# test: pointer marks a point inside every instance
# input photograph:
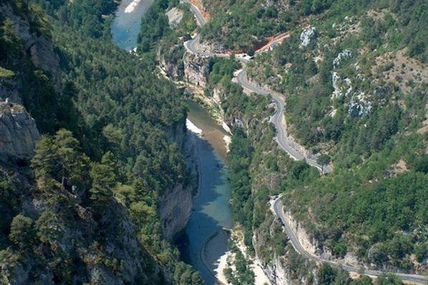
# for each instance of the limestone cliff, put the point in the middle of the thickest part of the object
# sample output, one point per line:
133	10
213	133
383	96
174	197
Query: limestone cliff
196	69
176	206
176	203
171	61
18	132
35	43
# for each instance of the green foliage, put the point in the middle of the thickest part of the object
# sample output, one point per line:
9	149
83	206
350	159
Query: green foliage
49	228
154	26
373	209
22	232
123	123
103	182
388	280
221	71
59	158
84	16
8	261
380	211
9	41
5	73
243	25
242	275
327	275
184	275
239	160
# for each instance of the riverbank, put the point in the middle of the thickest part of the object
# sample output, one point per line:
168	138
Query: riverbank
204	240
227	261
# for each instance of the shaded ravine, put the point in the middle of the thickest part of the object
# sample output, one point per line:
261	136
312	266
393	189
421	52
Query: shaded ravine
204	240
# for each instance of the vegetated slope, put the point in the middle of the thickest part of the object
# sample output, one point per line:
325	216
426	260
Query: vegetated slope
243	25
259	169
355	77
84	209
375	144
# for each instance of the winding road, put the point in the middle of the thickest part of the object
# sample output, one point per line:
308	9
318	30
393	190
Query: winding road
277	208
288	144
285	141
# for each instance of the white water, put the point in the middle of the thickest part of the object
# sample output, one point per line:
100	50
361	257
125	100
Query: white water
193	128
131	7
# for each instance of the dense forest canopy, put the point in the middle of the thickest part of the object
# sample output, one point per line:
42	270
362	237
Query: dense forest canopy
85	207
99	182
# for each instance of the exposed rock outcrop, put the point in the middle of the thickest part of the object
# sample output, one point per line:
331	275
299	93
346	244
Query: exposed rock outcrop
36	44
196	69
43	56
171	61
175	16
176	205
277	272
18	132
307	36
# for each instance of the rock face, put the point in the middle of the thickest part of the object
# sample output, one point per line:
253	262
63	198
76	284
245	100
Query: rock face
176	203
171	61
43	56
18	132
277	273
38	46
307	36
175	16
196	69
8	90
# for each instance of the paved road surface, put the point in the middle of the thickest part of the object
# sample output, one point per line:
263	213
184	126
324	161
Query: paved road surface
198	15
285	142
287	145
278	211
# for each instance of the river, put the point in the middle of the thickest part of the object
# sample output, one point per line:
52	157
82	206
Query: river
204	241
127	22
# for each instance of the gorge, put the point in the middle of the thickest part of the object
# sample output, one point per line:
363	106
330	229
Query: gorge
205	237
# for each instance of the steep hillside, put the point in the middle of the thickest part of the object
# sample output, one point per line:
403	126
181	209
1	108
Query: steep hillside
353	75
244	25
356	90
84	208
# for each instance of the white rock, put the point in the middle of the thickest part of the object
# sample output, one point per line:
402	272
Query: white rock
341	56
307	35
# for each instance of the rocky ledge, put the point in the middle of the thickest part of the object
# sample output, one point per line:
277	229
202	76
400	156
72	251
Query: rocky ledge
18	132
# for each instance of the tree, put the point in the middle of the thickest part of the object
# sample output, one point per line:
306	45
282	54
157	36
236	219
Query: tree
74	164
421	164
250	51
21	231
49	228
46	161
103	182
364	280
323	159
9	42
326	275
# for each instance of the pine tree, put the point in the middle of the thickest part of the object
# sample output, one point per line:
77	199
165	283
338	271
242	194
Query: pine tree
46	161
103	182
21	231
